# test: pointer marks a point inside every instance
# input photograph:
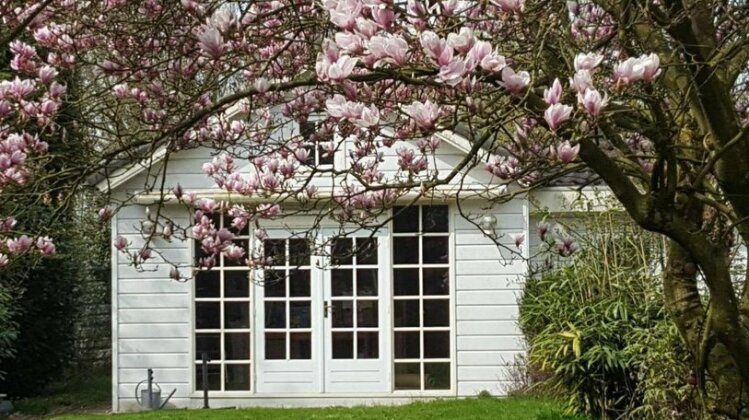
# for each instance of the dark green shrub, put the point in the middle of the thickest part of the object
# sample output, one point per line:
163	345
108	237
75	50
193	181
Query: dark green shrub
597	324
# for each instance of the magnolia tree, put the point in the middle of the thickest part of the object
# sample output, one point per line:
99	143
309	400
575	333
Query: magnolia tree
647	97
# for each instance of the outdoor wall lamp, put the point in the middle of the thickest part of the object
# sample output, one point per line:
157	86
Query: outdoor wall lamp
488	223
147	226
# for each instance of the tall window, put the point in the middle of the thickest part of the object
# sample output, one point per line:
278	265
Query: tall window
421	298
222	319
354	291
287	300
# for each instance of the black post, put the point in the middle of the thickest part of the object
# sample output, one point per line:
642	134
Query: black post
150	389
204	357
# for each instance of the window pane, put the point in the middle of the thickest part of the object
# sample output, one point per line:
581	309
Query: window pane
210	343
406	250
207	315
435	249
199	251
275	251
406	313
437	281
366	282
434	218
275	315
406	219
237	283
343	314
299	314
237	346
341	251
436	375
436	313
214	377
207	284
366	313
301	346
236	315
237	377
299	283
367	345
436	344
341	280
299	252
275	283
275	346
343	345
324	157
366	251
407	345
407	376
406	282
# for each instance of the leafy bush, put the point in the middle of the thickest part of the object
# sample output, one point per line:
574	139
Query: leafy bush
596	322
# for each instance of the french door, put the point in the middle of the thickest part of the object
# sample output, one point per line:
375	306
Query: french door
323	320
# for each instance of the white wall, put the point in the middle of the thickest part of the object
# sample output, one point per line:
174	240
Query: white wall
489	281
151	319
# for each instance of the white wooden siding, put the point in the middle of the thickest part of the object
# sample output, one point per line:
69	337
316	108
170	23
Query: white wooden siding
152	315
488	283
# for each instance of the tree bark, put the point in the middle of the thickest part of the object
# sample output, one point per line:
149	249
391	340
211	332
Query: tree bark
684	305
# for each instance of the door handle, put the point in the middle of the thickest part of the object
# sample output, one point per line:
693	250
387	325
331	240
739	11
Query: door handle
327	308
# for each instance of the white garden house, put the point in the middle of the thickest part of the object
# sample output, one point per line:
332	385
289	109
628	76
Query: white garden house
425	308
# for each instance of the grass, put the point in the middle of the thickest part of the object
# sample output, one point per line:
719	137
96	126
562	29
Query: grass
89	398
82	394
474	409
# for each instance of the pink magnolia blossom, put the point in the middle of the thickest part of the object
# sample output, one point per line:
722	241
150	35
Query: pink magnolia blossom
19	245
566	152
566	247
515	82
479	51
174	273
510	6
233	252
432	44
424	114
631	70
3	260
211	41
370	116
352	43
587	61
593	102
543	229
554	94
518	239
493	62
462	41
45	245
452	73
581	81
388	49
105	213
7	224
556	114
342	68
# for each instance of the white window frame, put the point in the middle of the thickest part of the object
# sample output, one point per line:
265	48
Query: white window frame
222	331
450	265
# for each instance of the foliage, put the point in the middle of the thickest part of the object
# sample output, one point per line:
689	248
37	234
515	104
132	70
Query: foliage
473	409
598	324
82	393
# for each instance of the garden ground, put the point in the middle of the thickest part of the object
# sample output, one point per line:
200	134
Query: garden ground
89	398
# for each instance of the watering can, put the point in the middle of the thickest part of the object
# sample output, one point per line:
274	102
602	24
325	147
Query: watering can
150	398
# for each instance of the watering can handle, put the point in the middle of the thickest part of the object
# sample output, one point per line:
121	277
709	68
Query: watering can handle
137	398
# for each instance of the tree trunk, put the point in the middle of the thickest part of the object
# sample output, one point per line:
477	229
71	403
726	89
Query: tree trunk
684	305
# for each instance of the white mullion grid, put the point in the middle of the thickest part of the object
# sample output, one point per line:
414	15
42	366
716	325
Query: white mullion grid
421	328
221	300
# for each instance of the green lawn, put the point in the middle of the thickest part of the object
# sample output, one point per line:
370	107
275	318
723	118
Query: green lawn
90	398
474	409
